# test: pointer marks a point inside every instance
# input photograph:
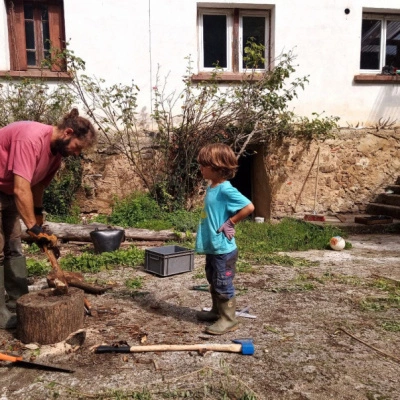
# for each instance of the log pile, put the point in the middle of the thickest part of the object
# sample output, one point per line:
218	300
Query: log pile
81	233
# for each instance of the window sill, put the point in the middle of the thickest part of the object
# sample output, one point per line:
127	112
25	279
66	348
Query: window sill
227	76
35	73
376	78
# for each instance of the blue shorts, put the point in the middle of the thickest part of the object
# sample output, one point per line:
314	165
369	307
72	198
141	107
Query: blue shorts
220	271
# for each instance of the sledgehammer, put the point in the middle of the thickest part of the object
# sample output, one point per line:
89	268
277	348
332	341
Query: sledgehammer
243	346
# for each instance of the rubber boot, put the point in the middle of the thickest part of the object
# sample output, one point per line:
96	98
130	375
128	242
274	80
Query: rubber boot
213	314
7	319
227	321
15	280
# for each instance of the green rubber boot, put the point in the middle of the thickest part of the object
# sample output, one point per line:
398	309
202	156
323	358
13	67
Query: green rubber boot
213	314
15	280
7	319
227	321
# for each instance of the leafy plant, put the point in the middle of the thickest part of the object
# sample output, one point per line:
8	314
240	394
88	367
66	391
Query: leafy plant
59	196
33	100
37	268
88	262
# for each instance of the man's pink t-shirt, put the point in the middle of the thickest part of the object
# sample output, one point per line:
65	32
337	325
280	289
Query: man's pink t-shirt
25	151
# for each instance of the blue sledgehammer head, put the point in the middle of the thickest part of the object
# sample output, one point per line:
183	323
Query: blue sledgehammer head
247	346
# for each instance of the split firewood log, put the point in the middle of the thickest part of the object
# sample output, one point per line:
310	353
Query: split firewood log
76	279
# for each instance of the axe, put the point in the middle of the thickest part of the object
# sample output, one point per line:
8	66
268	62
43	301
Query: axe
243	346
18	361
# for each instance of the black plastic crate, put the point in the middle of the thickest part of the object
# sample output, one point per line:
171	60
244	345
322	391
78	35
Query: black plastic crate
169	260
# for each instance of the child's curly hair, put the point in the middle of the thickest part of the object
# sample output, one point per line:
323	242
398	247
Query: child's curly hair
220	157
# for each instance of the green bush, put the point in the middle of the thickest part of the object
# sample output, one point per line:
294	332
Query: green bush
138	207
139	210
59	197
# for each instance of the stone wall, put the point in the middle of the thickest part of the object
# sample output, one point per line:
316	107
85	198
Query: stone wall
352	169
105	177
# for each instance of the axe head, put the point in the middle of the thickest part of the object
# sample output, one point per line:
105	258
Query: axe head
247	346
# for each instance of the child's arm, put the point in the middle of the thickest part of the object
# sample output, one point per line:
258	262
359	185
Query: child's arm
228	227
242	214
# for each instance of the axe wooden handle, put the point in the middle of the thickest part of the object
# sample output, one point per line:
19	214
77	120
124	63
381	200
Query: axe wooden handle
230	347
6	357
62	285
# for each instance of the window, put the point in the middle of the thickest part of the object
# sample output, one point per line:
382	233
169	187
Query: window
380	42
224	34
34	27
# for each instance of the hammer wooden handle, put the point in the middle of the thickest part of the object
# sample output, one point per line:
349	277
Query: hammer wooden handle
231	348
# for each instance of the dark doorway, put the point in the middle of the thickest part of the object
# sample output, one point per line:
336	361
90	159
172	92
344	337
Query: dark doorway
243	179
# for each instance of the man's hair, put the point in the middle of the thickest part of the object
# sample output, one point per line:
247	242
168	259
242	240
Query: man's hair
220	157
82	127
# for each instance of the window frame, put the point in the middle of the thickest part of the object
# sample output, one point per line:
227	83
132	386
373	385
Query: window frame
234	37
17	37
384	18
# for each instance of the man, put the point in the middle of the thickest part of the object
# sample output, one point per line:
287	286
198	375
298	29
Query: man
30	155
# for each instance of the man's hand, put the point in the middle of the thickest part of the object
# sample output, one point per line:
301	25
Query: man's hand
228	227
39	215
42	238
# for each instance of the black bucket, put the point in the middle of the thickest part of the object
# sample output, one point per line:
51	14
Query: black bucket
107	239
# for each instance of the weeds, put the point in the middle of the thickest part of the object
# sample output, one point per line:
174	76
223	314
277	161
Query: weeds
88	262
288	235
135	283
37	268
391	326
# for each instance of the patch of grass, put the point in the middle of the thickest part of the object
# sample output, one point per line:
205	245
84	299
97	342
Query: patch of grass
134	283
199	275
276	259
33	248
89	262
391	326
37	268
288	235
370	304
244	267
270	329
257	243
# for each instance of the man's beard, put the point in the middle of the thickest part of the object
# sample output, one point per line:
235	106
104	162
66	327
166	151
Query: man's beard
60	146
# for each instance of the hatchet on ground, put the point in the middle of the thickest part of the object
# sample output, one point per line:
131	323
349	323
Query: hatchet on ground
242	346
18	361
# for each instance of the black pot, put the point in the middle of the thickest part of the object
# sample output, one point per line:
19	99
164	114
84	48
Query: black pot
107	239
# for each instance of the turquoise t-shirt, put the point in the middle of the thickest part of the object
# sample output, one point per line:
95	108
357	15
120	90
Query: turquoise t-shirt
220	203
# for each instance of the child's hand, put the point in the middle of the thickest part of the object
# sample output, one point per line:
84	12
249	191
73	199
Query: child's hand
228	227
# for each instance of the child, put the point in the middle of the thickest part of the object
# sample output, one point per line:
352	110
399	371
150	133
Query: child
224	206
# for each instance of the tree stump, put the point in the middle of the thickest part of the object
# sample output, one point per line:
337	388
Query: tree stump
45	318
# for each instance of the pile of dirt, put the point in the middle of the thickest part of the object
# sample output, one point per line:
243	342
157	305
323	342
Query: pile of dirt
320	332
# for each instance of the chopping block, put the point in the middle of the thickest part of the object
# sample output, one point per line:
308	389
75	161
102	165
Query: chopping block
45	318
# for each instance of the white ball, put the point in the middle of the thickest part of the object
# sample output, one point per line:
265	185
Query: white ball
337	243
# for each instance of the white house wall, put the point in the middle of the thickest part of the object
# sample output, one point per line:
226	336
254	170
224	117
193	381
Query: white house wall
128	39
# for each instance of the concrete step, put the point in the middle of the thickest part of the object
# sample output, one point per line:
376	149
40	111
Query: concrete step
383	209
394	188
389	199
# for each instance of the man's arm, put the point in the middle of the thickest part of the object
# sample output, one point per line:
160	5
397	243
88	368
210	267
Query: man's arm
24	200
37	193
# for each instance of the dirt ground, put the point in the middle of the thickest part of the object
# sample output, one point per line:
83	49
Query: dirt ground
304	349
